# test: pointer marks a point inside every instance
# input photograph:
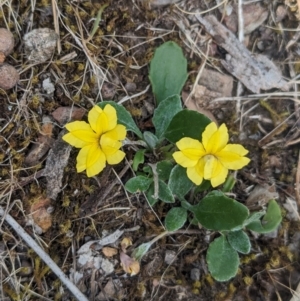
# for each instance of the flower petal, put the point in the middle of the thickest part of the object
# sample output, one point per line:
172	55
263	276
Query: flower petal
191	148
109	146
117	133
91	159
116	158
111	114
195	174
214	170
220	178
80	134
104	120
95	121
183	160
215	139
232	156
95	160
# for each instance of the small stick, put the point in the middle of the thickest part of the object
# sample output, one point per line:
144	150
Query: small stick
45	257
297	182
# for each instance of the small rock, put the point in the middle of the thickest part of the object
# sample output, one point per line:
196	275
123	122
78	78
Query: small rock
9	76
281	13
64	114
195	274
170	256
108	91
7	41
48	86
130	87
40	44
26	268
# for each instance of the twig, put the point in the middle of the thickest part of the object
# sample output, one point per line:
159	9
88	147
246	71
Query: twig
45	257
55	12
297	182
133	96
155	179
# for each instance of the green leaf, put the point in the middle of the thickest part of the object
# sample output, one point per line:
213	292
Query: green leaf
164	113
138	159
164	192
139	183
123	117
218	212
150	139
255	216
270	221
149	194
163	169
179	183
140	251
175	218
222	260
168	71
186	123
239	240
186	205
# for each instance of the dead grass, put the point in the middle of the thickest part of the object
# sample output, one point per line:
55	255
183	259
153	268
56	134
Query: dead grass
118	53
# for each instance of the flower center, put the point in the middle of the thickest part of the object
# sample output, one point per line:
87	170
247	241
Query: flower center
208	158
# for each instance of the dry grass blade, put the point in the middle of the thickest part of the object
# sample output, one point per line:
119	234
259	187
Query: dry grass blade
52	265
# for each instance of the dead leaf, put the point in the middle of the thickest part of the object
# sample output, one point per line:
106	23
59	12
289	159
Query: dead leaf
125	243
64	114
253	14
256	72
129	265
260	196
40	214
109	252
42	145
112	290
99	244
192	104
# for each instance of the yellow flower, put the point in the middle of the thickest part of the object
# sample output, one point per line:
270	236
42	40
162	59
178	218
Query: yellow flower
99	140
211	159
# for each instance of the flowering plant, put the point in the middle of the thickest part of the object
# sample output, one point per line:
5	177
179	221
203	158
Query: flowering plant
192	153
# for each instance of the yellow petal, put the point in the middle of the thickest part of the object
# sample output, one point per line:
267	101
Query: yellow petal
220	178
190	143
94	119
104	120
80	134
92	159
194	175
183	160
96	161
111	114
81	158
207	134
117	133
215	139
109	146
214	170
232	156
115	158
211	167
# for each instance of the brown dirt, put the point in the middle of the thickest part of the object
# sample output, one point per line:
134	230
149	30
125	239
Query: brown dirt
122	47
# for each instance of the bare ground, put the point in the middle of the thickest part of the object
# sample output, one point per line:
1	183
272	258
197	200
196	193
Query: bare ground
88	208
